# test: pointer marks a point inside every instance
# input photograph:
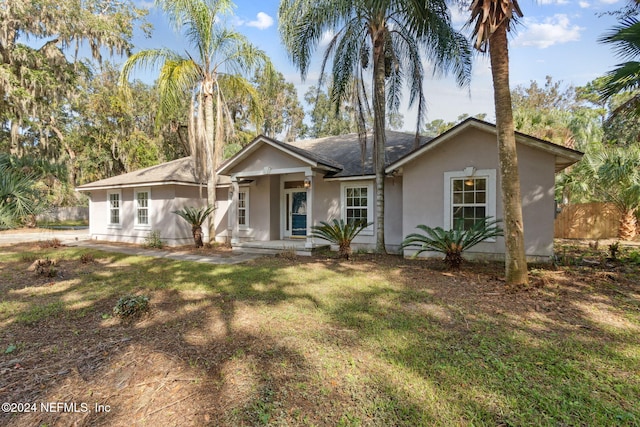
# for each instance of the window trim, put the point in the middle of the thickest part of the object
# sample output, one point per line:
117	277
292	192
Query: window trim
109	208
136	207
244	226
489	174
369	231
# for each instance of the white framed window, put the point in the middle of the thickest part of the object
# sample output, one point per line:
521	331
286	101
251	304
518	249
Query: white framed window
469	197
142	203
114	205
357	203
243	208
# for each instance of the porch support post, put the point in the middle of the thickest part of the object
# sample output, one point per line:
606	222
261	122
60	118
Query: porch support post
235	188
309	177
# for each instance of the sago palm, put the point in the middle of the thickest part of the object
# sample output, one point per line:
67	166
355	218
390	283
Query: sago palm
452	243
491	21
339	233
195	217
220	59
387	38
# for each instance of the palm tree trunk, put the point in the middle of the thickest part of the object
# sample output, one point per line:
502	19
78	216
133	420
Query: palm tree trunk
209	140
379	136
515	262
197	236
628	225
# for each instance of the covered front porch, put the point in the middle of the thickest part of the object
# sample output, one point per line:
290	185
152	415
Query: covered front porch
277	194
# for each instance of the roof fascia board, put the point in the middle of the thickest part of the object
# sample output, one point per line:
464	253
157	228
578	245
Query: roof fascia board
351	178
268	171
140	184
524	139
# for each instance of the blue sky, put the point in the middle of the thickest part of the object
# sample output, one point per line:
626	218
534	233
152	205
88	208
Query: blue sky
556	38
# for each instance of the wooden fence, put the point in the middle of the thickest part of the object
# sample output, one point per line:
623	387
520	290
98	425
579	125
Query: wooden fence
587	221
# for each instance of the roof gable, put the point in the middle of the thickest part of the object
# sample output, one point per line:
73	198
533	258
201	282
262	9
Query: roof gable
311	159
564	156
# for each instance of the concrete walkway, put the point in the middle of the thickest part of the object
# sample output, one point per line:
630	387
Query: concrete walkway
43	234
231	258
80	238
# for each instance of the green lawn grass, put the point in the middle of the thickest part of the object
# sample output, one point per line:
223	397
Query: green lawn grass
67	223
323	342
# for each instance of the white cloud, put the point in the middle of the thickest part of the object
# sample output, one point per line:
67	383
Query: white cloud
262	21
554	2
584	4
609	1
556	29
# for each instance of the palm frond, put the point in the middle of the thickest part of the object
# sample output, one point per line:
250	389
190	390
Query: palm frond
194	216
451	242
339	232
488	15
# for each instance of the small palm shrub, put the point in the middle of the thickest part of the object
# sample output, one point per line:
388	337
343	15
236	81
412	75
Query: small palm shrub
195	217
452	242
339	233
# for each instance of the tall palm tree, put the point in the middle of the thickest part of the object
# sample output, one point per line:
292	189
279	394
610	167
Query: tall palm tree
385	37
491	20
221	59
625	39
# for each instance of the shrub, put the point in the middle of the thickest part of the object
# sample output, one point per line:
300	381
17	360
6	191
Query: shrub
131	306
339	233
634	257
153	240
195	217
51	243
613	250
452	242
46	267
87	257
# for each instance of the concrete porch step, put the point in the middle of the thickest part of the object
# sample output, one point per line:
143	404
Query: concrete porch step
274	247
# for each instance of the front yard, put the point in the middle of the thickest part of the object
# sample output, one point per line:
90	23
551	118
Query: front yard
292	341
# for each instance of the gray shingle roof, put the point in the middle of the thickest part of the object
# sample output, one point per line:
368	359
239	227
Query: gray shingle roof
345	150
179	171
310	154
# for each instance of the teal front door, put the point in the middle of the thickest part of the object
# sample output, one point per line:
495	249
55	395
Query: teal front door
296	211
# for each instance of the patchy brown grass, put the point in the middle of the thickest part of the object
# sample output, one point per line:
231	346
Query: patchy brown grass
375	341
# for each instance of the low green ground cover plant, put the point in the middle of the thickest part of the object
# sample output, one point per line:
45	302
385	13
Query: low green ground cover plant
131	307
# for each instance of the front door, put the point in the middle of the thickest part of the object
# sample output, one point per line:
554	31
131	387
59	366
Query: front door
295	221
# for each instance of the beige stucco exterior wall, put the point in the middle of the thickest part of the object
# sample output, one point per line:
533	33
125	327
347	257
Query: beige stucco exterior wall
267	157
423	201
164	199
